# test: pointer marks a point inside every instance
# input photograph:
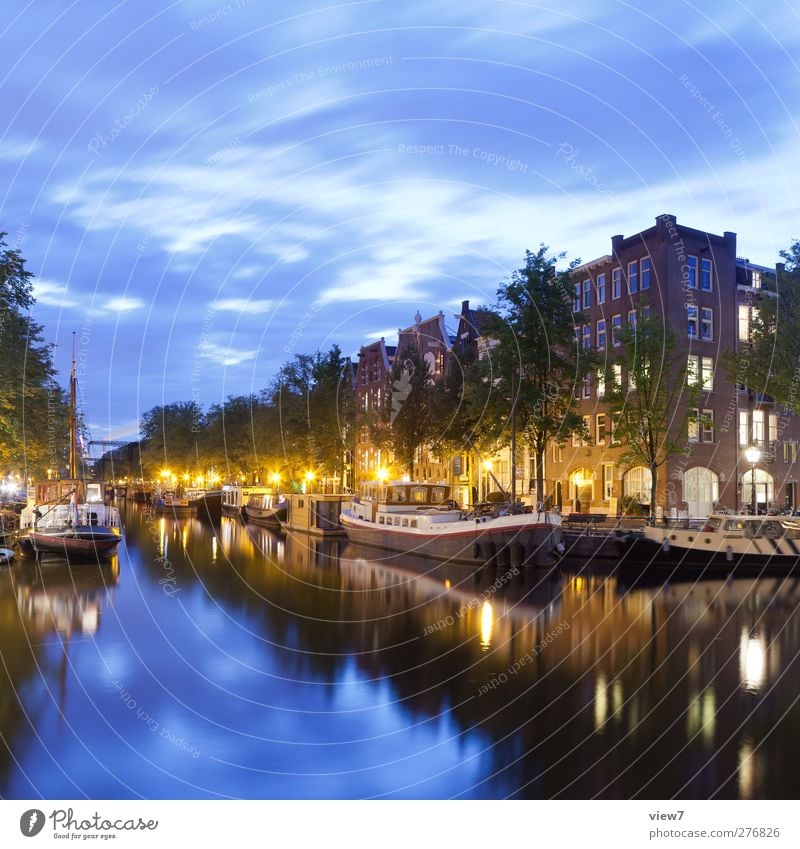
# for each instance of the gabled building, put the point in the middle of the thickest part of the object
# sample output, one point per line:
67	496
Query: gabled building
694	279
372	388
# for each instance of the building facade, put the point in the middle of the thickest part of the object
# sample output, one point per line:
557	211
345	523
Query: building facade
706	295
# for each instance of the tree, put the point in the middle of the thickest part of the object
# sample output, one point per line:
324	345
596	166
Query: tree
651	407
33	407
536	351
770	363
407	422
170	438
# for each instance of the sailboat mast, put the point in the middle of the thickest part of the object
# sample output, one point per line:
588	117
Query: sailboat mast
73	417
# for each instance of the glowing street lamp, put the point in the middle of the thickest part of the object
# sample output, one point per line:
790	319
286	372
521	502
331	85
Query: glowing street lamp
383	474
275	478
308	479
752	455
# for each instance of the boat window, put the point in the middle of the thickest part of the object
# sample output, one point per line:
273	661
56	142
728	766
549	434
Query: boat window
734	525
398	494
405	523
413	523
419	494
300	503
438	494
380	520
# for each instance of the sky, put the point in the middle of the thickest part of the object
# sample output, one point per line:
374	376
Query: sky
205	189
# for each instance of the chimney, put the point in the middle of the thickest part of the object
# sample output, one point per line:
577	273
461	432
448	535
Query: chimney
729	240
616	244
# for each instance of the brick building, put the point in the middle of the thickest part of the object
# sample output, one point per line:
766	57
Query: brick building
706	294
372	378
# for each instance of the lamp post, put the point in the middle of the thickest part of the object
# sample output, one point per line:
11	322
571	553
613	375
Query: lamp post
752	455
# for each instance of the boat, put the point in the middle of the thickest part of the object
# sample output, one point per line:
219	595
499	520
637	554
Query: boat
268	509
207	503
235	496
169	504
421	519
726	541
315	513
71	517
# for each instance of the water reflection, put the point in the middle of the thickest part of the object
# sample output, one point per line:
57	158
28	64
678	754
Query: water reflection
290	666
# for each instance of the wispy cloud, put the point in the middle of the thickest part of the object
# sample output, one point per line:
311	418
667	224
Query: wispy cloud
123	304
242	305
225	355
52	294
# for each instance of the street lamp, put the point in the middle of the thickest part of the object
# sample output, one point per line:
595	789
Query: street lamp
752	455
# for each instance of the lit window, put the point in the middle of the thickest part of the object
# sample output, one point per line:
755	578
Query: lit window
557	453
601	288
694	425
645	273
744	323
601	334
744	431
587	429
617	376
692	371
691	272
616	283
758	427
773	427
691	320
706	324
587	294
587	387
755	279
616	327
705	275
633	277
608	480
600	429
707	426
707	373
614	426
601	384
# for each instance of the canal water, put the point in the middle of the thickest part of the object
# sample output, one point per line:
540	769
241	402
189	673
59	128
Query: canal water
238	663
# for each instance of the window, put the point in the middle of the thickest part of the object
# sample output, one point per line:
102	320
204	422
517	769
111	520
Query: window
645	273
633	278
631	318
707	426
789	452
558	456
601	288
587	294
758	427
576	440
600	429
694	424
576	297
772	433
691	272
706	324
601	384
744	430
631	380
587	429
617	376
616	283
705	275
614	426
691	369
601	334
707	373
616	326
587	386
691	321
744	323
587	336
755	279
608	481
637	484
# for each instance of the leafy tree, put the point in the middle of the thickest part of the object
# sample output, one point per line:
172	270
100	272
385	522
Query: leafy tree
170	438
408	422
651	408
536	349
33	408
770	363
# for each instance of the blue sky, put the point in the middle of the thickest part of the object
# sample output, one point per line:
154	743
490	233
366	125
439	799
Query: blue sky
203	188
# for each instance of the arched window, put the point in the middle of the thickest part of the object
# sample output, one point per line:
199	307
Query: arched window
637	483
700	490
581	488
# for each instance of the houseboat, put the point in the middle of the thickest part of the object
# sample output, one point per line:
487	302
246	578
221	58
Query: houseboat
315	513
266	509
235	496
420	518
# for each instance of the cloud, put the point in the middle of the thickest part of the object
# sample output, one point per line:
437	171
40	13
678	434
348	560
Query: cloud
123	304
14	149
224	354
51	294
242	305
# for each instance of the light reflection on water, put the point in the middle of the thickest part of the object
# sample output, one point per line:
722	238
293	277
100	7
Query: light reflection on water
283	666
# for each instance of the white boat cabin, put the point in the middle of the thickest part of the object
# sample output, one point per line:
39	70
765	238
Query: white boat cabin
51	500
400	497
235	496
